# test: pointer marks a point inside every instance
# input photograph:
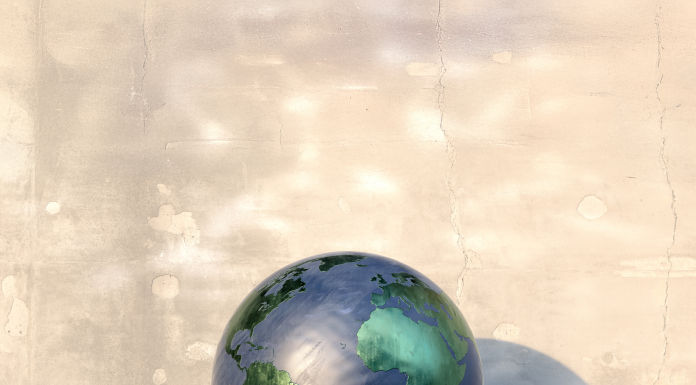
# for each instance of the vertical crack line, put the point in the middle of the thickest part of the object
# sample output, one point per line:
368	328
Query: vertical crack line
451	155
145	113
663	165
280	134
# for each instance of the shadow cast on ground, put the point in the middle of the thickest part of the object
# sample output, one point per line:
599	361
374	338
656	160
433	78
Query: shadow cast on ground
506	363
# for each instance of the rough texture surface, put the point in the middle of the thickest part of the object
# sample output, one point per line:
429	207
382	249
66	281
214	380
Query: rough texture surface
217	141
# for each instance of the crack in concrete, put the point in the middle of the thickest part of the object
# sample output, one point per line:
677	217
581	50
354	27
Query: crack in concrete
451	155
663	165
145	114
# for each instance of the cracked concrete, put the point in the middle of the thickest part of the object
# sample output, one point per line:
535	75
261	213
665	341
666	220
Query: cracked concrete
254	135
665	170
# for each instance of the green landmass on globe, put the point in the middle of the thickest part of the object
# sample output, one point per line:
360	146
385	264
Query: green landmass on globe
330	319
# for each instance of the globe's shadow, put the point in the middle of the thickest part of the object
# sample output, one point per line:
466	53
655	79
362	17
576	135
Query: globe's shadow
506	363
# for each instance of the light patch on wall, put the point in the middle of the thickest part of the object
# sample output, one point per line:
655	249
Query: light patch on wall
182	224
502	57
658	268
301	105
53	208
18	319
423	69
8	287
343	205
261	61
159	377
377	183
163	189
200	351
592	207
165	286
425	125
349	87
506	332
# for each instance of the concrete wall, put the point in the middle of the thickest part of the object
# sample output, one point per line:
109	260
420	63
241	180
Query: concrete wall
160	158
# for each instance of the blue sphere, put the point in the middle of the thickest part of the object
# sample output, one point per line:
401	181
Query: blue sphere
351	319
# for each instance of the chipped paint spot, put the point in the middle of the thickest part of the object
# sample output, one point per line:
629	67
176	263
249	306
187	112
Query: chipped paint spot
506	332
343	205
591	207
200	351
5	350
165	286
159	377
18	319
502	57
182	224
163	189
586	359
8	287
53	208
423	69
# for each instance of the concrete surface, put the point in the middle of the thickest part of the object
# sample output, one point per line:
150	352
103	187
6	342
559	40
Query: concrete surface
160	158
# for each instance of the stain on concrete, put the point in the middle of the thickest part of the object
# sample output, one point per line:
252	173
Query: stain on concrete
423	69
506	332
592	207
343	205
608	357
163	189
165	286
53	208
200	351
181	224
159	377
502	57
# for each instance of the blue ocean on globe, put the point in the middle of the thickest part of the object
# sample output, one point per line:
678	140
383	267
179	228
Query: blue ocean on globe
351	319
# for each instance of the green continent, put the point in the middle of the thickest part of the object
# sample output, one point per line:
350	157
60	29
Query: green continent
266	374
419	293
391	340
328	262
258	305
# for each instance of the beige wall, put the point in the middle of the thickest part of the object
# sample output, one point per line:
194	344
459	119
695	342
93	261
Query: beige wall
534	158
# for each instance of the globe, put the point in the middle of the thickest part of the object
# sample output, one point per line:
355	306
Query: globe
350	319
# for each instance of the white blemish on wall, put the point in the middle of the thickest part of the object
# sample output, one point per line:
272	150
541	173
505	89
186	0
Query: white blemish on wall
343	205
423	69
506	332
658	267
5	350
165	286
586	359
53	208
18	319
592	207
301	105
8	287
182	224
159	377
200	351
425	125
502	57
163	189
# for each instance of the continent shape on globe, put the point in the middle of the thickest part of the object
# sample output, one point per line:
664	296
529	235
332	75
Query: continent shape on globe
349	319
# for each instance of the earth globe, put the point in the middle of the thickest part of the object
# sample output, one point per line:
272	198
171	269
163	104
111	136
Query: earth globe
347	318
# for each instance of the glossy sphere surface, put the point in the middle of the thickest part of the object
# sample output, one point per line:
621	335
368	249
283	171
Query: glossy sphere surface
349	319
